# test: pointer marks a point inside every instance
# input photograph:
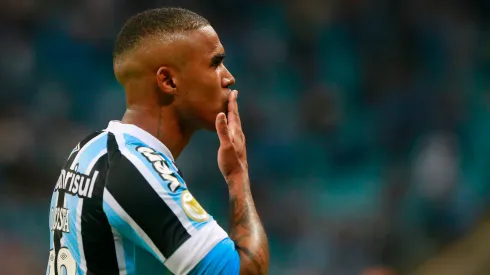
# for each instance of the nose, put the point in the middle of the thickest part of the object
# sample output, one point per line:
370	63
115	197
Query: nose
228	79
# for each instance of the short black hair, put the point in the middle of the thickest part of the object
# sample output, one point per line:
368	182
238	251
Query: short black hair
156	21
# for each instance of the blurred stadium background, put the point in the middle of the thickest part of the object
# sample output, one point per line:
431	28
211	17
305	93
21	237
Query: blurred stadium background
368	125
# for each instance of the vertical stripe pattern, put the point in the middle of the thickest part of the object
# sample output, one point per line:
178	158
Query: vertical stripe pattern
120	192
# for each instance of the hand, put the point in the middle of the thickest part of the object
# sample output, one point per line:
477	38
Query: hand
232	155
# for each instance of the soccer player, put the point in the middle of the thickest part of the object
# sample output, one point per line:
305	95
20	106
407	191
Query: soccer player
120	195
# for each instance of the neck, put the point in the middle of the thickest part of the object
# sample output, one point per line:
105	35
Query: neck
162	123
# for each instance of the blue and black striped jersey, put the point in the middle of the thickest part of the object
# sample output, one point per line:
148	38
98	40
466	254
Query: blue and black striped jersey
120	199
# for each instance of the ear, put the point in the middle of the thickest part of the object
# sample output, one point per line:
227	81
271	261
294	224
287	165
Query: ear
165	80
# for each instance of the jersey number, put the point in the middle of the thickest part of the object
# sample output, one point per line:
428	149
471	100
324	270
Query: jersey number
65	259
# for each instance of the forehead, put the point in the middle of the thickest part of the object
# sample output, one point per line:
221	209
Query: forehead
204	43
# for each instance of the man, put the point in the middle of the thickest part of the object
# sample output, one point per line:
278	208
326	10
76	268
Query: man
120	195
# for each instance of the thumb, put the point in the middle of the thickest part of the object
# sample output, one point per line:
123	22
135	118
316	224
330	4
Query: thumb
222	129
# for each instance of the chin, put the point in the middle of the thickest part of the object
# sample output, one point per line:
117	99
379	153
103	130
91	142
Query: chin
209	126
209	123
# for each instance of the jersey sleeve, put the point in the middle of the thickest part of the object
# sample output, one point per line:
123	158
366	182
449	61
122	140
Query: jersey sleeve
147	202
223	259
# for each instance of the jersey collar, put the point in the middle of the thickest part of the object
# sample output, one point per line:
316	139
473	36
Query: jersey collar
116	126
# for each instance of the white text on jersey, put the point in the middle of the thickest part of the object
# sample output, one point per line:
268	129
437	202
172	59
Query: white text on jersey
79	184
60	220
161	166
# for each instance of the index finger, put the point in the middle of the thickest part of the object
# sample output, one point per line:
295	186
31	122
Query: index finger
233	115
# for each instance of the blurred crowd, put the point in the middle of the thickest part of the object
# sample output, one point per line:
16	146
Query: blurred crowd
367	122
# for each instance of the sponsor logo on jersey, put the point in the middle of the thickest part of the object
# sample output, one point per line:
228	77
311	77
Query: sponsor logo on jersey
76	183
60	217
161	167
192	208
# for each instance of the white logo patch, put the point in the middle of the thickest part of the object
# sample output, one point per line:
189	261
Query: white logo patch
192	208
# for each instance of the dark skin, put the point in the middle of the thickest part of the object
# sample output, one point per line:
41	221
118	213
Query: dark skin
178	84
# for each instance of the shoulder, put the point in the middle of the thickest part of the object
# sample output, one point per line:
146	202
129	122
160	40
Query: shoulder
131	158
138	172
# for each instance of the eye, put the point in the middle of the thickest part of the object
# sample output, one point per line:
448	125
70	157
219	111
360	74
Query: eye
216	63
217	60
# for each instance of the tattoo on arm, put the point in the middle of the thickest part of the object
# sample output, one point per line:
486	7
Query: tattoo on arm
247	232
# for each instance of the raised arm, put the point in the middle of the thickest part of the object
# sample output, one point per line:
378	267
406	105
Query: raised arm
246	228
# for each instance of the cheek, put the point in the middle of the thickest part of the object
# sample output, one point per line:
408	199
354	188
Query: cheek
203	90
211	86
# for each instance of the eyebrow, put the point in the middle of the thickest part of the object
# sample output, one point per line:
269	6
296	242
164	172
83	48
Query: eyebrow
217	58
